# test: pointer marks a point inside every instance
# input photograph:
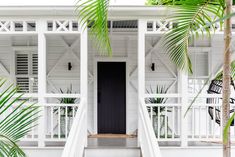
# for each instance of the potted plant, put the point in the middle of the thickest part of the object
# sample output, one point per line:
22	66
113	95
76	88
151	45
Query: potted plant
66	111
159	111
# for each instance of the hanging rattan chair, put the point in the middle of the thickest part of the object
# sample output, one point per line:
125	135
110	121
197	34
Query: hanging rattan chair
215	112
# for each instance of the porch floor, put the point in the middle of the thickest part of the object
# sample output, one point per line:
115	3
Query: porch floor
112	143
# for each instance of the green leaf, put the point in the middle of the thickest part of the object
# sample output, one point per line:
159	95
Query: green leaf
193	19
226	129
94	15
17	122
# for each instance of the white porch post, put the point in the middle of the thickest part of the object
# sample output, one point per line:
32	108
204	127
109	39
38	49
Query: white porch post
183	90
41	27
141	67
84	69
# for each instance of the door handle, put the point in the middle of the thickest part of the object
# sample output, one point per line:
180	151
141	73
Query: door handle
99	94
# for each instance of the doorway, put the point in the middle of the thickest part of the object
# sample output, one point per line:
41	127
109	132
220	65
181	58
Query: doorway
111	97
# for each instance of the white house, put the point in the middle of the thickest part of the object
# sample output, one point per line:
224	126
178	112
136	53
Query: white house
44	50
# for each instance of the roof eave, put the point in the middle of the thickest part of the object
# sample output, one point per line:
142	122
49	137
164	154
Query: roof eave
114	11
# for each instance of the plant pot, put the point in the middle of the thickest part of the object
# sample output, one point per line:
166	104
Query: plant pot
161	130
63	125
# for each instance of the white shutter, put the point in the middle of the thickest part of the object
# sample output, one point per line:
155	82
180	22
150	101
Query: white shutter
34	83
23	84
35	64
22	64
26	72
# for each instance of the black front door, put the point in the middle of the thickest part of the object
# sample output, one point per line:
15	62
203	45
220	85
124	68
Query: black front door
111	97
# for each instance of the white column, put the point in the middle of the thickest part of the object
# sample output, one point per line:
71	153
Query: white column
183	90
41	27
141	66
84	69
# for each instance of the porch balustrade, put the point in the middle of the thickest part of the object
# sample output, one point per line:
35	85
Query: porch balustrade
58	118
165	118
202	126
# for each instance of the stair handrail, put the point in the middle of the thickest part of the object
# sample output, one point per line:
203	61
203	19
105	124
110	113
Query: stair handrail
77	139
147	138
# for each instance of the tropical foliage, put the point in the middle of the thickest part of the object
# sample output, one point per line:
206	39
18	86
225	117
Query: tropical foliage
16	120
94	15
192	19
157	100
69	109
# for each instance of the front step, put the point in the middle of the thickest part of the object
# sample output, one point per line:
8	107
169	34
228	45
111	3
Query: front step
112	147
112	152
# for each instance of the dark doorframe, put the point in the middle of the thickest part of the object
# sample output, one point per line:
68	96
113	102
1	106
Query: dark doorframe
111	96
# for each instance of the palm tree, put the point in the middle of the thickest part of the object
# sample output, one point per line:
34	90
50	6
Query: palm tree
17	120
192	19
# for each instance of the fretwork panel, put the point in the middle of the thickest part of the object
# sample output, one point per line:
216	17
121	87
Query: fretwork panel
162	26
17	26
158	26
62	26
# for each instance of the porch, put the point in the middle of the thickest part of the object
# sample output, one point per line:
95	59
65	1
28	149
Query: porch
47	56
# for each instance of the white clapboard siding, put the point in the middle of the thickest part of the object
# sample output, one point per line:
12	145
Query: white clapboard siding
124	46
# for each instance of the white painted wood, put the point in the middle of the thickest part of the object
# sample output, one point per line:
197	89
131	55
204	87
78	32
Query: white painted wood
148	142
42	79
183	90
141	69
25	48
78	134
69	50
119	52
114	152
84	72
4	70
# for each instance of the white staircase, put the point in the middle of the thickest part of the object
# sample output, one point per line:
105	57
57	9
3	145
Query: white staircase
78	145
112	152
111	147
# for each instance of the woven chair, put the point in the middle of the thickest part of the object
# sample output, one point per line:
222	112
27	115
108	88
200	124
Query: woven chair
215	112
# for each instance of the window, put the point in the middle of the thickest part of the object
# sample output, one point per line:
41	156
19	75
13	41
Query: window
200	71
26	71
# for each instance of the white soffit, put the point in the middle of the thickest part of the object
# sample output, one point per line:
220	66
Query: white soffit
114	11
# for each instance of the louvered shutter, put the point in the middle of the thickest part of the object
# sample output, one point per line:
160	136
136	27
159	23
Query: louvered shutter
22	71
35	64
34	83
26	72
22	64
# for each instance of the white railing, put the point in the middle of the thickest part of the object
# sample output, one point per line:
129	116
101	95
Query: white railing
148	142
203	118
77	139
58	118
165	117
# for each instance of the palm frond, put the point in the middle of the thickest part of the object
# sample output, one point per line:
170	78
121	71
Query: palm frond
94	15
17	119
191	20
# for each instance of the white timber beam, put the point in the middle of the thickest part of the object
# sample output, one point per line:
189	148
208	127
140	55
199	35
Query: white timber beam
84	70
183	91
42	79
141	67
